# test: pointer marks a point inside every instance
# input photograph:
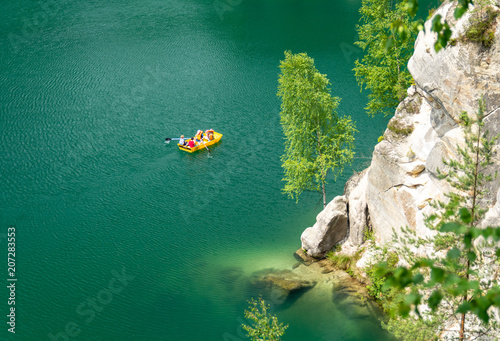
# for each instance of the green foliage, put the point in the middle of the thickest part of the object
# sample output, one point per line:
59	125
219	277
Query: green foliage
388	298
410	154
442	28
438	25
387	49
376	285
263	326
444	241
452	278
411	329
340	261
381	138
482	29
317	139
392	259
345	262
399	128
368	234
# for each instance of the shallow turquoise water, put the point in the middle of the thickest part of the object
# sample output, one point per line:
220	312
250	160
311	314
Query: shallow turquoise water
88	93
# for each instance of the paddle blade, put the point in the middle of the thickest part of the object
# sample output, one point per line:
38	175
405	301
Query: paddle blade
167	140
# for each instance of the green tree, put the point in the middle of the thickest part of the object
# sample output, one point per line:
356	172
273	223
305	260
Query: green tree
440	26
455	278
264	326
383	69
317	140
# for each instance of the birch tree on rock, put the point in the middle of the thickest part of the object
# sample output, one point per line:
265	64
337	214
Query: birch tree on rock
317	140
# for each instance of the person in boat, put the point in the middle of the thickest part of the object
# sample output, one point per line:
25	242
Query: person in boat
182	142
199	135
191	143
209	134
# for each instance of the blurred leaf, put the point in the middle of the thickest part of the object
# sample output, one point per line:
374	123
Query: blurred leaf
448	213
411	7
465	215
474	285
389	43
413	298
464	307
480	307
472	256
453	254
437	275
432	217
436	23
404	309
418	278
435	299
459	11
468	240
454	227
452	279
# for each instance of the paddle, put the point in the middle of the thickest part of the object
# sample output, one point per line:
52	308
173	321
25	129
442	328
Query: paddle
168	139
206	147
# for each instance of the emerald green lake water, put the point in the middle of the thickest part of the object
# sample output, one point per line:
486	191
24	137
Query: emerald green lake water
122	237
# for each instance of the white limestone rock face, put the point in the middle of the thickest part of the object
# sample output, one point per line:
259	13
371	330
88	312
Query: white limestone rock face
399	185
402	179
455	78
446	148
330	229
358	209
492	124
492	217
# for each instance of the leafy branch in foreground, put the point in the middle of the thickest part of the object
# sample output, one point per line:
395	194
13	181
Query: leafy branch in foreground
264	326
440	26
455	278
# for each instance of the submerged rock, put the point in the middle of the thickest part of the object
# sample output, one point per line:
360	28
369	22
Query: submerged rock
352	298
229	277
303	257
280	285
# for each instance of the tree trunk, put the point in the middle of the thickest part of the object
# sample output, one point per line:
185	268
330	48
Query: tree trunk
323	178
324	193
462	322
473	217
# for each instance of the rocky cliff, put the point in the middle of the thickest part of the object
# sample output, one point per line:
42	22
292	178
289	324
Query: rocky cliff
395	191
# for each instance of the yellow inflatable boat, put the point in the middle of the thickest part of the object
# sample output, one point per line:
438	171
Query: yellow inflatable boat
201	145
